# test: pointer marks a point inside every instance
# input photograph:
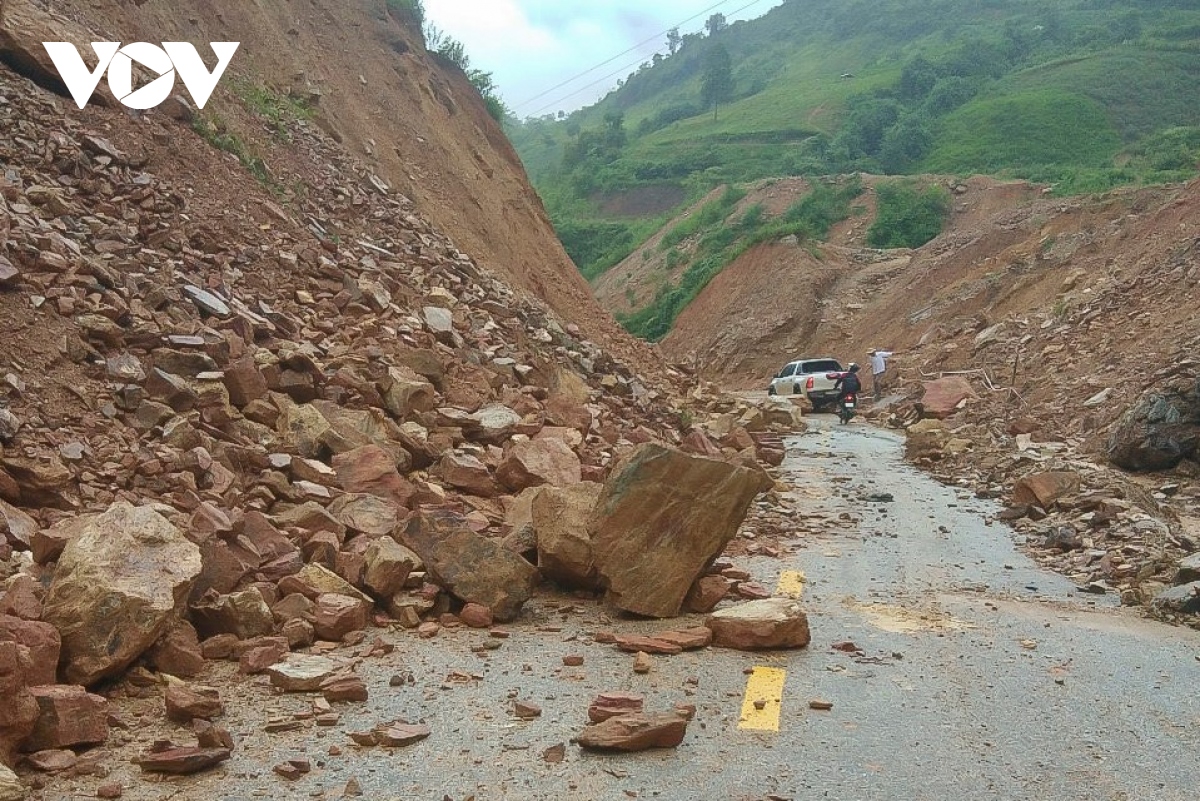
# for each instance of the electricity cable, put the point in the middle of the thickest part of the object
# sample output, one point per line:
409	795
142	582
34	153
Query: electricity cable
592	69
619	70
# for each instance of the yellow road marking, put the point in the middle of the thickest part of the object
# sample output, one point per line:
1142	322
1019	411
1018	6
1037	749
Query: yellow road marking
765	686
791	584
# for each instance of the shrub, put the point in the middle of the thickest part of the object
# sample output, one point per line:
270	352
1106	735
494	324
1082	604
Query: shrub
908	216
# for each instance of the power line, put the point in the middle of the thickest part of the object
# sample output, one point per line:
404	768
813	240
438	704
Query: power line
590	70
620	70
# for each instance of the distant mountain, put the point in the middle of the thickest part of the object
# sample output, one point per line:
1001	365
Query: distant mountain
1084	95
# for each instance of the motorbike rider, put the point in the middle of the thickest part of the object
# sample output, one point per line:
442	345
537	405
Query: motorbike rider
848	382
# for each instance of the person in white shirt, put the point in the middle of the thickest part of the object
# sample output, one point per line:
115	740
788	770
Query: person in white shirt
878	371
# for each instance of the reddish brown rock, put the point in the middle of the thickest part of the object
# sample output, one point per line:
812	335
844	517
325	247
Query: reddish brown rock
366	514
388	565
244	382
119	584
532	463
404	393
473	568
662	518
23	598
687	639
476	616
48	544
465	472
942	397
209	735
243	614
16	527
698	442
186	702
372	470
400	735
706	593
220	646
183	761
299	633
335	616
110	790
633	643
177	652
635	732
560	517
43	642
68	715
344	688
526	710
1043	489
18	708
264	653
224	566
614	704
767	624
40	482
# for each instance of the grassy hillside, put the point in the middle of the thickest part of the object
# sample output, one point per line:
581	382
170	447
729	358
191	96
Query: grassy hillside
1081	94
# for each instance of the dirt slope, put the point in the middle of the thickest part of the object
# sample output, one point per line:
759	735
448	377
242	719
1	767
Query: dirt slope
1055	299
415	121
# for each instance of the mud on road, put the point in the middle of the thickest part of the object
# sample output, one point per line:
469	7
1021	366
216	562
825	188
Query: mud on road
954	666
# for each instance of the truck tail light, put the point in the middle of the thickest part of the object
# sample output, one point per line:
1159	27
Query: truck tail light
809	383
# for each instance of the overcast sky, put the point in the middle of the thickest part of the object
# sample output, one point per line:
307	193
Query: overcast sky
531	46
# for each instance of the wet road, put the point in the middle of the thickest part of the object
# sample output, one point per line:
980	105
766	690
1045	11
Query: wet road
977	676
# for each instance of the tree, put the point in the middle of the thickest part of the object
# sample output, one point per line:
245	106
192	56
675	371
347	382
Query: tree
673	40
716	23
716	83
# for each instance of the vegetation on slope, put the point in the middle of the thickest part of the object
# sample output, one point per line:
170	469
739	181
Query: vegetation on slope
709	239
1083	94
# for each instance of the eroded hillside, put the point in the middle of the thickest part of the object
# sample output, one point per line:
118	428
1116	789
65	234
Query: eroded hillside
360	72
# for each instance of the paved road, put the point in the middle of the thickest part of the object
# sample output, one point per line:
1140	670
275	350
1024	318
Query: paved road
978	677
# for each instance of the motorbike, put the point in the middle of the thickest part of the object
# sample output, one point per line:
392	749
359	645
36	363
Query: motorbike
847	406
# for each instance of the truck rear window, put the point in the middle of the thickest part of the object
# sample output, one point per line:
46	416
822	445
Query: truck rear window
823	366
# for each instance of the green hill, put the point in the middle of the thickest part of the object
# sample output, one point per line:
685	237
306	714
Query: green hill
1082	94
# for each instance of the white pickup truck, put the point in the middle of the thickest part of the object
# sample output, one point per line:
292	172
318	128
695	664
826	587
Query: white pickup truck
812	378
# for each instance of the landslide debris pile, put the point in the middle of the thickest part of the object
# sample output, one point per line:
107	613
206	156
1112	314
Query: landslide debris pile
231	430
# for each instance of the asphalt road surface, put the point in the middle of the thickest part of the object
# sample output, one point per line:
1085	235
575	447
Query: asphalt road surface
961	671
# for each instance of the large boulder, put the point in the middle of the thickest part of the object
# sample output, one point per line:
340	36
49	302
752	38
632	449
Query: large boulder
926	440
764	624
68	715
471	567
560	517
1181	600
118	584
942	397
1160	430
661	519
1043	489
532	463
388	564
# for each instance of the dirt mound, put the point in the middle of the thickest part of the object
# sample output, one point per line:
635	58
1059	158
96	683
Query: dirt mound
411	119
